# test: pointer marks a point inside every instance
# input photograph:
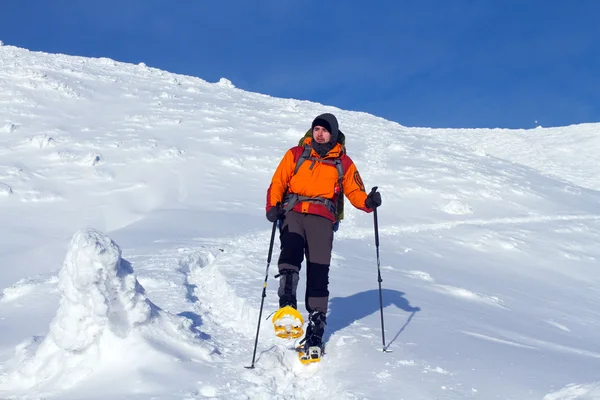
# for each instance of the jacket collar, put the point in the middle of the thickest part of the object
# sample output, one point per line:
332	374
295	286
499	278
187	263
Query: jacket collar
335	152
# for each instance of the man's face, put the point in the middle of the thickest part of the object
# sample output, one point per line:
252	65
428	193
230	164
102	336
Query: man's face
321	135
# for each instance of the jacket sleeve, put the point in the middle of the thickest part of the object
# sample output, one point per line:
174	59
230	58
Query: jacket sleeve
281	179
354	188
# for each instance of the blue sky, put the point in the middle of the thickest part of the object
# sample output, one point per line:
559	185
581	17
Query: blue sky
435	63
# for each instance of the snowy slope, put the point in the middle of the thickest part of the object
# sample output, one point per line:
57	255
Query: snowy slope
135	246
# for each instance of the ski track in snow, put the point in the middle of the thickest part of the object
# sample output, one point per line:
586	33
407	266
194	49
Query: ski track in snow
276	365
457	292
416	228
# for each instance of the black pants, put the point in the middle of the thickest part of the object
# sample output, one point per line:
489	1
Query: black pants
311	235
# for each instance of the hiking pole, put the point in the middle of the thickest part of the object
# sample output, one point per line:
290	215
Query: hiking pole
264	292
376	225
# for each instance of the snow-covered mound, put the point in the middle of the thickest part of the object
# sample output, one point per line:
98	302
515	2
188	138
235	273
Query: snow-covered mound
104	320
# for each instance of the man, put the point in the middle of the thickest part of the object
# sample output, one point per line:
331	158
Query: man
308	196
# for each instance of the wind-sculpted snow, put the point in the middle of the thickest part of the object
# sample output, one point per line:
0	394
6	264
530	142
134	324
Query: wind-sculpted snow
104	318
99	292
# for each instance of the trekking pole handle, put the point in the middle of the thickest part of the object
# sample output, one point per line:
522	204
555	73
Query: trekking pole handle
375	221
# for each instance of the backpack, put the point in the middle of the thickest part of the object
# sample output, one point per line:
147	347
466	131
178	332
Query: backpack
341	139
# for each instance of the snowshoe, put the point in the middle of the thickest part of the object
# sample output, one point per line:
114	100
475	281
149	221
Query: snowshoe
310	355
288	323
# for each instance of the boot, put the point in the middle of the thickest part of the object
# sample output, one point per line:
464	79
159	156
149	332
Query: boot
314	331
313	341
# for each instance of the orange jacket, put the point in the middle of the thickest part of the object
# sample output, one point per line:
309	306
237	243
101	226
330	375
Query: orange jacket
318	180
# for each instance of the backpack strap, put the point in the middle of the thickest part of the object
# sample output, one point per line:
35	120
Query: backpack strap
291	199
303	157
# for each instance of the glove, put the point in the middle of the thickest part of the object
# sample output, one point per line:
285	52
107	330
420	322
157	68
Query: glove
273	213
373	200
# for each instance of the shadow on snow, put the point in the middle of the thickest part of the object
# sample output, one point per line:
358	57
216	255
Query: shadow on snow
344	311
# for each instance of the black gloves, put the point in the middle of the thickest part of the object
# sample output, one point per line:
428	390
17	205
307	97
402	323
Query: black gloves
273	213
373	200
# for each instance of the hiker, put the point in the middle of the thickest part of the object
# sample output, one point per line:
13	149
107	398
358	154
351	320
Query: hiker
308	195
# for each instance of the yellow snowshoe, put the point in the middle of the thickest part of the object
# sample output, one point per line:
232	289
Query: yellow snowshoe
311	355
288	323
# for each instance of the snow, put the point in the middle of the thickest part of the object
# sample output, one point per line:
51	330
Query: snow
103	313
134	247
